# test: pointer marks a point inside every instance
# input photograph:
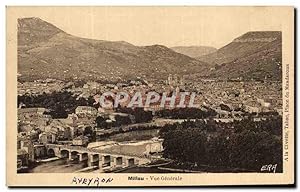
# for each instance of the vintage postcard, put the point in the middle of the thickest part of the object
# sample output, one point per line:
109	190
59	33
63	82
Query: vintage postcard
150	96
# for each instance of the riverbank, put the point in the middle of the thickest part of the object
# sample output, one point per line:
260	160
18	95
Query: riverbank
55	166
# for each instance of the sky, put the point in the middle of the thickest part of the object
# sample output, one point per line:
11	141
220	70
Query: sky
169	26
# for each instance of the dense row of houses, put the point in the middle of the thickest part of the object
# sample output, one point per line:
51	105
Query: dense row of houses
37	129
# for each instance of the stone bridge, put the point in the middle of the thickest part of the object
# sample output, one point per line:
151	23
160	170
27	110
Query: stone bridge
94	157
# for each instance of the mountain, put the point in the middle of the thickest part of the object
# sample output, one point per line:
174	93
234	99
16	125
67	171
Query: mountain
45	51
254	55
194	51
34	30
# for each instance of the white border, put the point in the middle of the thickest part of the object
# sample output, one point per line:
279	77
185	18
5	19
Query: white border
108	2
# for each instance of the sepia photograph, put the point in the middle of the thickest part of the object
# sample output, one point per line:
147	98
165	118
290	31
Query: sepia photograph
150	96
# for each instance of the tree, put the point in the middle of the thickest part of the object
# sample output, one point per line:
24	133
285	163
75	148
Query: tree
250	145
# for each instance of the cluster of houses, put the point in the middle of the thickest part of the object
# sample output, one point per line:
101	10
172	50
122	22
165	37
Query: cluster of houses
252	97
36	129
37	87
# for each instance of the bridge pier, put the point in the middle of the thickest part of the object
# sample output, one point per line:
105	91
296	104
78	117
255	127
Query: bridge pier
106	160
93	160
64	154
130	162
100	165
119	161
83	156
112	162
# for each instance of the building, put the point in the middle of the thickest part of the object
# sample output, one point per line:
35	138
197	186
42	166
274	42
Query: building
31	111
86	111
26	145
81	141
252	109
69	133
22	159
154	146
39	151
47	137
175	81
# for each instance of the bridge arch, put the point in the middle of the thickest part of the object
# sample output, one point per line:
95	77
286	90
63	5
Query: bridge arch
74	155
131	162
74	152
119	161
94	159
85	153
64	153
106	161
51	152
83	156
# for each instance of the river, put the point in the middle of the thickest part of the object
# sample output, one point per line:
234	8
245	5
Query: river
57	166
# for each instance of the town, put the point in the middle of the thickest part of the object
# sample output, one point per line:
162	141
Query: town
63	122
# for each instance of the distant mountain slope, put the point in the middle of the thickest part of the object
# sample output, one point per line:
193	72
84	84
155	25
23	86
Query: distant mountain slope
241	46
254	55
44	51
194	51
34	30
